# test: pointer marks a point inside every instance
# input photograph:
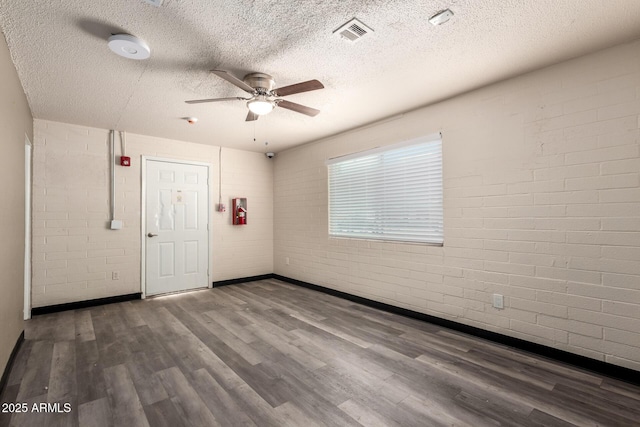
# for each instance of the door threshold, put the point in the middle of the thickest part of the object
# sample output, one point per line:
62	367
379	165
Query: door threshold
176	293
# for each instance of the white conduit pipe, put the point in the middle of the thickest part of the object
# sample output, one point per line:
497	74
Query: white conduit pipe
123	143
113	176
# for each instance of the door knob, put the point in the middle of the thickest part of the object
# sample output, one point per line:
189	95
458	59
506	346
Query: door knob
151	235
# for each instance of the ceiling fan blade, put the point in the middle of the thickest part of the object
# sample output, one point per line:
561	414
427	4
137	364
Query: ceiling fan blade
298	108
233	80
251	117
200	101
299	87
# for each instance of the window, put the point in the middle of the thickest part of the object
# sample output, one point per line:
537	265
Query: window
388	193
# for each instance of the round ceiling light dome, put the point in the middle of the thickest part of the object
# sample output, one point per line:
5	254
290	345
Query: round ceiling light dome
260	105
129	46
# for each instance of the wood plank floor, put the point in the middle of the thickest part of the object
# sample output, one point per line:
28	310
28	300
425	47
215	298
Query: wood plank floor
271	354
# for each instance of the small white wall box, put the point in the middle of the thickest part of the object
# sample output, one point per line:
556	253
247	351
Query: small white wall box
116	224
498	301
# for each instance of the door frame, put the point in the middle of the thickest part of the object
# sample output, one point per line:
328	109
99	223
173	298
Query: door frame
143	218
28	154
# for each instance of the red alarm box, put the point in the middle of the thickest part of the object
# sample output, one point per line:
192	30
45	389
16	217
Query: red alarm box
125	161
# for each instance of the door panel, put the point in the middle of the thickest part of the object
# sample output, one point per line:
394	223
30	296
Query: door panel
191	213
167	259
191	257
177	237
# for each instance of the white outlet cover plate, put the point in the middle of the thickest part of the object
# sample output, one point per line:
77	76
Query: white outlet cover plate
498	301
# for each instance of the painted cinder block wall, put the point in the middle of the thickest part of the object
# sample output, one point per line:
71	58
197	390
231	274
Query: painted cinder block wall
541	204
74	253
16	124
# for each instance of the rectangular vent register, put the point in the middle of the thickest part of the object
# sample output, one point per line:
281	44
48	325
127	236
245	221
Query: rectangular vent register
353	30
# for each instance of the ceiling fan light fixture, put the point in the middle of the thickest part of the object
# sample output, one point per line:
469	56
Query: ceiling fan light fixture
260	105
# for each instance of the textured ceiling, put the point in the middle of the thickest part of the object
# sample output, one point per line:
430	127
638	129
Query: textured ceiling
70	75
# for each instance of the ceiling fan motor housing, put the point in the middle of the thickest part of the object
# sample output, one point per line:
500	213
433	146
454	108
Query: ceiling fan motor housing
260	81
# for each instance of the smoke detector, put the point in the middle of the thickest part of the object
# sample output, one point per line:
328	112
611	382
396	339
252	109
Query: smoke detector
129	46
353	30
441	17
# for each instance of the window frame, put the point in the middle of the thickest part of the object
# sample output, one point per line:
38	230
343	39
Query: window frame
431	233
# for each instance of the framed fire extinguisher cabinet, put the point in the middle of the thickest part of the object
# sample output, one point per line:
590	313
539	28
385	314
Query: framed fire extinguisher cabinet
240	211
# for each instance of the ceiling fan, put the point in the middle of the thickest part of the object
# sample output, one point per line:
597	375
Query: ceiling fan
264	95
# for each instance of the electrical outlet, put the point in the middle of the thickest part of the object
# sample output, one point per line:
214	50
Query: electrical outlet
498	301
115	275
286	260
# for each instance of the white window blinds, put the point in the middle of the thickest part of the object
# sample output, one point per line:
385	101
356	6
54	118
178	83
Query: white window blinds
389	193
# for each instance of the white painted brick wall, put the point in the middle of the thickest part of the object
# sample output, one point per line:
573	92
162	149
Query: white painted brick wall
74	253
542	204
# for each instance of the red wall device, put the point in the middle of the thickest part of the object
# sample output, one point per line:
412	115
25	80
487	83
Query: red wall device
125	161
239	211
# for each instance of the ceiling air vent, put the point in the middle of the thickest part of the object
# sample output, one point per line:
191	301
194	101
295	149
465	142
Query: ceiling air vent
353	30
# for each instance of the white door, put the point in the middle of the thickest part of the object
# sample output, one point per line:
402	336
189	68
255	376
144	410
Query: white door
177	218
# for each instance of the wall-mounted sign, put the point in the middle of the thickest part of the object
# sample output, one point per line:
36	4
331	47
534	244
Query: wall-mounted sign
177	197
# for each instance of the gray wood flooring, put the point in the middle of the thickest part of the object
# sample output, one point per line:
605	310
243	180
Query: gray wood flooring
271	354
